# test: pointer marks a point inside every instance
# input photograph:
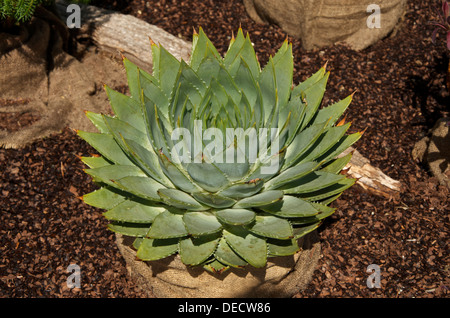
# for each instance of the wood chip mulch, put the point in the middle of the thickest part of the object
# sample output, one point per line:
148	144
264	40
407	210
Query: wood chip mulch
401	92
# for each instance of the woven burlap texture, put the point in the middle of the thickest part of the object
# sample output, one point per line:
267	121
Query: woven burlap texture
320	23
283	277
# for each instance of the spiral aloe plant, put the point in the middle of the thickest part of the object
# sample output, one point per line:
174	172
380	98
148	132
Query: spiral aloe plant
216	159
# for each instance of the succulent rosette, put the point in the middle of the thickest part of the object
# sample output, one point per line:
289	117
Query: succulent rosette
216	159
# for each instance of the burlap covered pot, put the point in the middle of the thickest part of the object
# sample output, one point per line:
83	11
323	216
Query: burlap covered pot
321	23
283	277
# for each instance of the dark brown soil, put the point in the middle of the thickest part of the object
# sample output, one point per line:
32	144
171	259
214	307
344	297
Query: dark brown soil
401	92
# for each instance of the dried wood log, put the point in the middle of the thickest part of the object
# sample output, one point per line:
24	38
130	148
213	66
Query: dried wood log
370	178
125	34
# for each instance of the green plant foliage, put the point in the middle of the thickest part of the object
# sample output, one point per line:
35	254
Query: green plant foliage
21	11
218	213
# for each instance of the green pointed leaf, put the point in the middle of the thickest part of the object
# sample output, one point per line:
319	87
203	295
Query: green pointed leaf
137	242
235	216
329	191
155	60
180	199
201	47
214	200
324	143
294	112
103	198
243	190
337	164
194	251
106	146
328	200
154	249
207	176
126	108
143	187
168	70
309	82
167	225
324	212
313	97
201	223
133	212
109	174
271	226
216	267
246	82
129	229
302	231
156	131
302	143
250	247
282	247
247	54
227	82
284	67
97	120
95	162
209	67
234	49
291	174
122	130
133	79
333	111
312	182
177	175
152	90
225	254
263	198
268	85
343	144
147	160
290	207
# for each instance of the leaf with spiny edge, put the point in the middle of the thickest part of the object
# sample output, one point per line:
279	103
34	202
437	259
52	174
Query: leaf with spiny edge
155	249
313	181
250	247
225	254
167	225
201	223
328	191
133	212
235	216
129	229
104	198
290	207
126	108
106	145
277	247
271	226
180	200
95	162
195	250
260	199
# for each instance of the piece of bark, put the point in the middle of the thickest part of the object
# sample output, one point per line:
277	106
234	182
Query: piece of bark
125	34
370	178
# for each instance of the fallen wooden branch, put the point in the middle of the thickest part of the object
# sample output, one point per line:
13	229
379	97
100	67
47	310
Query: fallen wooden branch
370	178
125	34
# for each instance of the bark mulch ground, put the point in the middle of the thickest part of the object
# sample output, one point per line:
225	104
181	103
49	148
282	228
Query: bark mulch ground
401	92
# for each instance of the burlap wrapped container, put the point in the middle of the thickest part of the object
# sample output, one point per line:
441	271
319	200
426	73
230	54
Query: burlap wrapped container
283	277
320	23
